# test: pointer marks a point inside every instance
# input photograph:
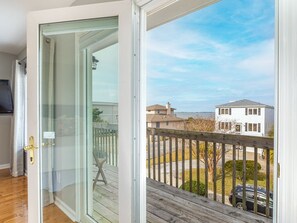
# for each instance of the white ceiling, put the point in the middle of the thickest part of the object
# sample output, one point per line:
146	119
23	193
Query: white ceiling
13	21
13	15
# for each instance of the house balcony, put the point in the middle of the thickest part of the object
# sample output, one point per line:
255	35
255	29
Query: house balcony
194	177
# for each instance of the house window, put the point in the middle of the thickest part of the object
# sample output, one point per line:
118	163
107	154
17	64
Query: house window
238	128
252	111
250	127
225	111
225	125
167	123
254	127
157	124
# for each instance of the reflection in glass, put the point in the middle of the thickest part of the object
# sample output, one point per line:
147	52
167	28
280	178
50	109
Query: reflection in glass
79	107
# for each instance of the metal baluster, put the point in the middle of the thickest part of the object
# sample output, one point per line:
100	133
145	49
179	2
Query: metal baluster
255	179
116	146
164	159
198	166
170	158
234	175
214	171
148	154
176	162
154	158
267	181
112	147
206	168
244	178
109	145
223	172
159	159
183	163
190	165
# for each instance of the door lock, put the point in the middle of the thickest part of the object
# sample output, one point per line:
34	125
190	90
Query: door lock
30	148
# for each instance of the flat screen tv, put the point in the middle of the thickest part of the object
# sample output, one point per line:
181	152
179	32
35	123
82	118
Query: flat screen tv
6	103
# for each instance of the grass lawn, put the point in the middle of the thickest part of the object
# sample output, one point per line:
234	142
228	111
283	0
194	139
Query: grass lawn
228	181
167	157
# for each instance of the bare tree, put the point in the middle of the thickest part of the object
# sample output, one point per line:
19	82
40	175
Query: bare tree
211	158
200	125
213	155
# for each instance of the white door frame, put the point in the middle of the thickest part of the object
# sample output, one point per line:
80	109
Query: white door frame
286	106
153	14
122	9
286	98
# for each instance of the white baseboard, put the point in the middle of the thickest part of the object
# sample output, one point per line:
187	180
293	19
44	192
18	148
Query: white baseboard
4	166
65	208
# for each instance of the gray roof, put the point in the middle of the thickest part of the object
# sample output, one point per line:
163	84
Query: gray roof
243	104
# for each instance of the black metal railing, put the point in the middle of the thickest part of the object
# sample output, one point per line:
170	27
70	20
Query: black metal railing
179	158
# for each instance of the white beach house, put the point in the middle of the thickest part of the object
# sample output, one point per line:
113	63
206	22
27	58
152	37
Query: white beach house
244	117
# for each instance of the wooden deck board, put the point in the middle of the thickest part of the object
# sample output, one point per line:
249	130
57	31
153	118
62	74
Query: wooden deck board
164	204
169	204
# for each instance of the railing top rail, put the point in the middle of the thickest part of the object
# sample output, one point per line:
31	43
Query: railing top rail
232	139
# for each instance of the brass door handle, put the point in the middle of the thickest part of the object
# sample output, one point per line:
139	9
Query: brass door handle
30	148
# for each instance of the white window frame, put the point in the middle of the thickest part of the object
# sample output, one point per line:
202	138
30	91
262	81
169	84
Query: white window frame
285	92
285	112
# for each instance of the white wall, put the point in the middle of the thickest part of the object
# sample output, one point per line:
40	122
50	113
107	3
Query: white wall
22	54
64	163
269	120
6	72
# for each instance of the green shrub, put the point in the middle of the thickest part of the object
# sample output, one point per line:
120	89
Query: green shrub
250	169
194	187
261	176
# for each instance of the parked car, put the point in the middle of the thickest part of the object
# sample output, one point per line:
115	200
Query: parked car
261	199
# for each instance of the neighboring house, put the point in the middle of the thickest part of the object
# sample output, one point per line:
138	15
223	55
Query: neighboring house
109	111
159	116
244	117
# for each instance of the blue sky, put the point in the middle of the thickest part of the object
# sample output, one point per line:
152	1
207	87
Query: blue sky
222	53
105	77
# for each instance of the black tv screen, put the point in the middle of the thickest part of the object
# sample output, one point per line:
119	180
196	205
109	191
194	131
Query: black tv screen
6	103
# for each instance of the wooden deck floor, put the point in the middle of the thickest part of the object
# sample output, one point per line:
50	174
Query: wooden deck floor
164	204
167	204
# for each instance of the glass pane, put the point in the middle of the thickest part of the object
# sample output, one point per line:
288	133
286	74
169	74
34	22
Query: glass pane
79	103
104	104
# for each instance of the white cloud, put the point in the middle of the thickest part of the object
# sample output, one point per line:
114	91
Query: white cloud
261	59
188	45
187	65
